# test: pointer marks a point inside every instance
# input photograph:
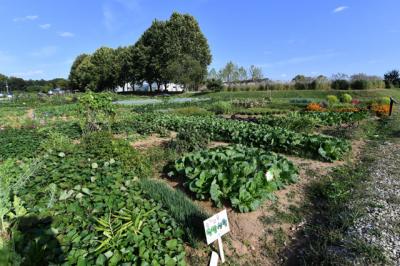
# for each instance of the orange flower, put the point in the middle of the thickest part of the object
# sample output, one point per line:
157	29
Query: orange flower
315	107
381	109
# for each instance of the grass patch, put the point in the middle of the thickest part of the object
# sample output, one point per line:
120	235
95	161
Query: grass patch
331	198
180	207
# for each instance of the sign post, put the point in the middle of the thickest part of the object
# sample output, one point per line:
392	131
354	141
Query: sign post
215	227
392	101
221	250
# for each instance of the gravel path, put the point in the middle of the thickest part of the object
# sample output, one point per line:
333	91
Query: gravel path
381	225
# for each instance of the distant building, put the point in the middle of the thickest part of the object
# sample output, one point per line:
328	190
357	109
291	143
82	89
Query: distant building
171	87
56	91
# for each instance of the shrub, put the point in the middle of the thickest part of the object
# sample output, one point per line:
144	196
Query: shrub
360	85
340	84
346	98
332	99
315	107
214	85
221	107
392	79
320	84
97	111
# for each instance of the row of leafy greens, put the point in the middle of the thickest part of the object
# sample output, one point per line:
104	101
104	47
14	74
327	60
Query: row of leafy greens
307	121
318	146
244	176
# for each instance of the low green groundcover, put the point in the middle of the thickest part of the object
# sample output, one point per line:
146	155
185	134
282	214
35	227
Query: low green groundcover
19	143
84	207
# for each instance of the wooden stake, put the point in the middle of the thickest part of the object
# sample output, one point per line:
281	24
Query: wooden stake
221	250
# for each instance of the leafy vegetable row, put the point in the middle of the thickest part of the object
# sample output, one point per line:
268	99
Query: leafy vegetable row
294	120
244	176
263	136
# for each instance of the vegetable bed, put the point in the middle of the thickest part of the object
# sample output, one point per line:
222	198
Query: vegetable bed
83	206
244	176
297	120
251	134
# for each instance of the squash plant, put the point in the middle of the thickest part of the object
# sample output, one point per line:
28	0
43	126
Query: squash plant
244	176
86	207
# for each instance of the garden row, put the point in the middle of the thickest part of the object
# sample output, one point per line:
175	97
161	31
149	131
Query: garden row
308	121
250	134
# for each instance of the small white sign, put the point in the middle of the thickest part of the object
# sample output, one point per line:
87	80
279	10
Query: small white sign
216	226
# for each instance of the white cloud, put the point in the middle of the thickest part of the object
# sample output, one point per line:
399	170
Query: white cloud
108	18
45	51
66	34
29	17
45	26
28	74
340	9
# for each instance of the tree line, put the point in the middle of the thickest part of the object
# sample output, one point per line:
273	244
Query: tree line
235	78
231	73
174	50
22	85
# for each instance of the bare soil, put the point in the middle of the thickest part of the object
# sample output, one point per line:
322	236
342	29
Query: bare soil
153	140
246	243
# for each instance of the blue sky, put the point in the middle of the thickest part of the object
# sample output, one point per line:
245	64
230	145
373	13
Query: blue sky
40	39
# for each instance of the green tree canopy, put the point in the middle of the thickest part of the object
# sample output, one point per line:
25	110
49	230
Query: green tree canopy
186	71
73	74
255	73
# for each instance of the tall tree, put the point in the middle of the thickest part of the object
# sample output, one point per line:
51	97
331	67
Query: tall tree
86	75
212	74
255	73
73	75
154	48
106	68
242	73
124	65
184	36
17	84
228	72
187	71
